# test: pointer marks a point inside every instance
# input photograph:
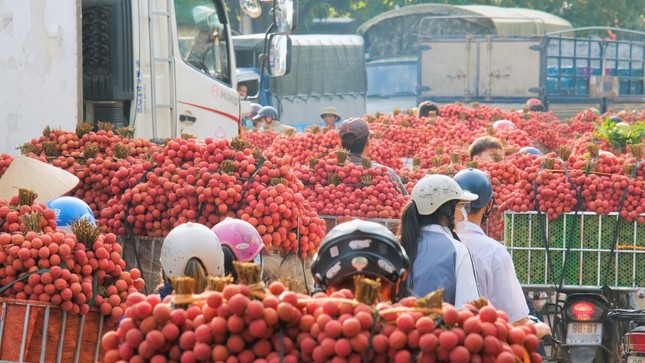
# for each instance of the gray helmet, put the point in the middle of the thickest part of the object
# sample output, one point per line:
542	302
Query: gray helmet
255	108
266	111
530	150
476	182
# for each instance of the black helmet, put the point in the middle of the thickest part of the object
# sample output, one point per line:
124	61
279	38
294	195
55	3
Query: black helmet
530	150
476	182
360	248
266	111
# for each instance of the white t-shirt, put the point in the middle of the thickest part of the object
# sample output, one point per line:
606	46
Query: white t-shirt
495	271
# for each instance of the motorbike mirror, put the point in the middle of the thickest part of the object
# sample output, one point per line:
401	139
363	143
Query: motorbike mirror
284	16
279	55
252	8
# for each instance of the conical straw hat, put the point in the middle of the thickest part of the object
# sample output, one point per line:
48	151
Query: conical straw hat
48	181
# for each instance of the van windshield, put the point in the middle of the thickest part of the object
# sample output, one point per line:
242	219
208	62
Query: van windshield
203	41
391	79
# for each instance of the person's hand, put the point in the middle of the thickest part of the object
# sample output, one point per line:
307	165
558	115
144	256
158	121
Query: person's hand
542	329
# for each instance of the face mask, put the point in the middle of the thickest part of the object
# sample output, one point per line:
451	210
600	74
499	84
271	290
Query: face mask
462	225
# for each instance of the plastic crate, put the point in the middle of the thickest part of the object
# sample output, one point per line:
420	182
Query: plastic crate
589	262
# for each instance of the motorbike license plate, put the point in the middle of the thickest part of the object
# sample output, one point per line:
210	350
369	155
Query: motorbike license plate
584	333
635	359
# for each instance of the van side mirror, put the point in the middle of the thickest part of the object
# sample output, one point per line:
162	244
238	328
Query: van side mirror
279	55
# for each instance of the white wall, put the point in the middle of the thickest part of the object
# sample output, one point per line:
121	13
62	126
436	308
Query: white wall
39	69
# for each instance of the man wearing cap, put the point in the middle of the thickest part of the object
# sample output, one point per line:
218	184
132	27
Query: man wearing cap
355	136
330	116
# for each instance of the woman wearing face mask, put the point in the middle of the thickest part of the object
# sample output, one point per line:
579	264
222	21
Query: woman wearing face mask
494	266
437	257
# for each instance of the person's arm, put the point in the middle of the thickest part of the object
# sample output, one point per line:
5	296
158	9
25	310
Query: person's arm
467	289
512	299
509	294
396	180
202	41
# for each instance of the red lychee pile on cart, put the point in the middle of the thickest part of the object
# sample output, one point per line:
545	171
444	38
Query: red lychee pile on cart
292	188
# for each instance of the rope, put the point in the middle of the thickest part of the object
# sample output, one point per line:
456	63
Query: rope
623	197
131	237
543	227
589	172
246	185
281	345
302	261
95	283
281	338
130	231
368	351
22	278
578	207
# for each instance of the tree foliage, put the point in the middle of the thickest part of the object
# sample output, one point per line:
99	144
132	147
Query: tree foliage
581	13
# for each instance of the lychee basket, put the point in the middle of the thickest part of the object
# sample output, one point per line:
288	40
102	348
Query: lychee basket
584	252
143	252
333	221
32	331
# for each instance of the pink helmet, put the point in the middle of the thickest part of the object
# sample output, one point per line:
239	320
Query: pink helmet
534	104
241	237
504	125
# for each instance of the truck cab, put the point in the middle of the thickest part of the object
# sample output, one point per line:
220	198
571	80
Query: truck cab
161	67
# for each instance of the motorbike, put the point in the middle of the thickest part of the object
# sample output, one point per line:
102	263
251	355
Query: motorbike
587	331
633	342
589	324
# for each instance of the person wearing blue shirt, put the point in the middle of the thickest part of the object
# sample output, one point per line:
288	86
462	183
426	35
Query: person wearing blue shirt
437	257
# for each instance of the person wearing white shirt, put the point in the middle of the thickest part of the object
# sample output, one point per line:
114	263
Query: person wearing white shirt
437	257
495	271
493	264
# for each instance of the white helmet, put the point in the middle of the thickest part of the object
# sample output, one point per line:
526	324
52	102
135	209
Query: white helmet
432	191
187	241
